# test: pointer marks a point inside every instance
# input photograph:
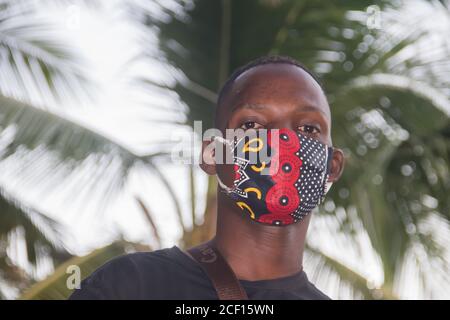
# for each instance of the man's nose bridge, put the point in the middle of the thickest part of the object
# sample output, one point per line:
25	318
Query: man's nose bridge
286	122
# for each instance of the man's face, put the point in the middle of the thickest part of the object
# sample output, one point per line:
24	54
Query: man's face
275	96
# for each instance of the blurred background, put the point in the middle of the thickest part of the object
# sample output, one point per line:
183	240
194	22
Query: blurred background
95	96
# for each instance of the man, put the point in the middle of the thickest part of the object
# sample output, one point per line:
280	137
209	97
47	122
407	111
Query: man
262	221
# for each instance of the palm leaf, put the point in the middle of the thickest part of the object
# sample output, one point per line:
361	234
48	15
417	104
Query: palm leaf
323	268
52	155
43	149
55	286
35	65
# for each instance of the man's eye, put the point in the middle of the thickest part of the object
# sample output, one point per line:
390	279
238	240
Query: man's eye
309	129
251	125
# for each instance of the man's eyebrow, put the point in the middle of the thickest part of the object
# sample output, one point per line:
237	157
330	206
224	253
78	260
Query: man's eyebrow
257	106
310	108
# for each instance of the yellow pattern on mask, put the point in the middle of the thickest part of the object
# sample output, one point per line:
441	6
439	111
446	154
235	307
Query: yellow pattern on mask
258	169
255	190
243	205
247	147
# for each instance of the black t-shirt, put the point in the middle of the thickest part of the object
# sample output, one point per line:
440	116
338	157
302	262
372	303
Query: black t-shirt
169	274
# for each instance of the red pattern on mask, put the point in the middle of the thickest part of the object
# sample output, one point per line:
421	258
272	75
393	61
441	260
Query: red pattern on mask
285	168
271	217
280	192
290	144
282	198
237	175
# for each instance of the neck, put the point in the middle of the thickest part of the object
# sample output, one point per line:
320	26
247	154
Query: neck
256	251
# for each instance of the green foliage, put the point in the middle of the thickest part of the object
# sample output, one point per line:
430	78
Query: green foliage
55	286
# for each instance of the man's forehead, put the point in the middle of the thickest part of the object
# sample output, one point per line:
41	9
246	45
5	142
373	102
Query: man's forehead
276	83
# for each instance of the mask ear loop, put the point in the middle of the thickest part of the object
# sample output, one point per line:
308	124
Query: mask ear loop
224	187
327	184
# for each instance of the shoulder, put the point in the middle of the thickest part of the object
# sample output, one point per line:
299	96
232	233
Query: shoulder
122	277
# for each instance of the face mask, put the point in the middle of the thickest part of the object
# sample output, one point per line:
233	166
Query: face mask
286	182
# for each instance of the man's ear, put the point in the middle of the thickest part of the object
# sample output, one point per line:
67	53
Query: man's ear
337	165
207	157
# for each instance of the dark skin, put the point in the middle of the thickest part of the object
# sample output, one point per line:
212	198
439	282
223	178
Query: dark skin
270	96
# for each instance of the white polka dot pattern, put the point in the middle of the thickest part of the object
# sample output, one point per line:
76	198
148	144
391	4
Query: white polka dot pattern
313	175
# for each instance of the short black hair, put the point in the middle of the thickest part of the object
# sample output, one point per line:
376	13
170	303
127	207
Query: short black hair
261	61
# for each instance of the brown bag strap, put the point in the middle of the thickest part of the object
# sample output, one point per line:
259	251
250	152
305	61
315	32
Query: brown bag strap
222	276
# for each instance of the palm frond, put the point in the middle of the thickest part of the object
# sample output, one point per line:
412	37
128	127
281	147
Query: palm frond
45	150
52	155
35	65
55	286
323	268
41	237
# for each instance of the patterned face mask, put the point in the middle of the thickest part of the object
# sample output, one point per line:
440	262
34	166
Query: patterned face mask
279	177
